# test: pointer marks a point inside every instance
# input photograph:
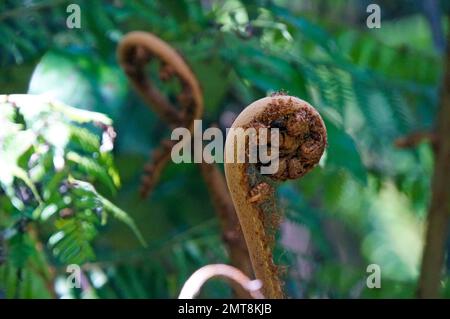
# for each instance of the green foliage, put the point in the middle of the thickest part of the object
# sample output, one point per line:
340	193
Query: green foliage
45	145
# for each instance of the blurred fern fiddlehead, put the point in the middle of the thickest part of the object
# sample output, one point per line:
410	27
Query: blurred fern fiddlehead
302	142
135	51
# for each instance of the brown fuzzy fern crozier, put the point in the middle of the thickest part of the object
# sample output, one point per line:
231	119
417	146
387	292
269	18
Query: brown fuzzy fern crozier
136	50
302	142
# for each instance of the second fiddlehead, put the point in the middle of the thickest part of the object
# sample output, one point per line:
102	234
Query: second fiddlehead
135	51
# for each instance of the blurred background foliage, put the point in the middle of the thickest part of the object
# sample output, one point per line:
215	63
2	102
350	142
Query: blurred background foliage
366	202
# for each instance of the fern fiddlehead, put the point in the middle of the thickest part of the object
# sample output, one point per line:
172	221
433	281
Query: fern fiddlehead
136	50
302	142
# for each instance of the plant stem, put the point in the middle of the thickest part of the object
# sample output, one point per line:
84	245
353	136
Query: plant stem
193	285
231	230
439	211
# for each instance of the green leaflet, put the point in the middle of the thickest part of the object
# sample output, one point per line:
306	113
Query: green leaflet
86	188
93	169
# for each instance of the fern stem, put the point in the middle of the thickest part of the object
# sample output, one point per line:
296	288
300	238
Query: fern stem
135	50
439	211
231	230
193	285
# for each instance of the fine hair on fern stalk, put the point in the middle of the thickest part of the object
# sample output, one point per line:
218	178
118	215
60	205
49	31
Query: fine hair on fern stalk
303	139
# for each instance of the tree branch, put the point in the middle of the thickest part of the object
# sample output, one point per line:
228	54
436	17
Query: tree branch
439	211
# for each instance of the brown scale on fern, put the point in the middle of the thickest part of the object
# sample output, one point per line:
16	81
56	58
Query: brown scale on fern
260	193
